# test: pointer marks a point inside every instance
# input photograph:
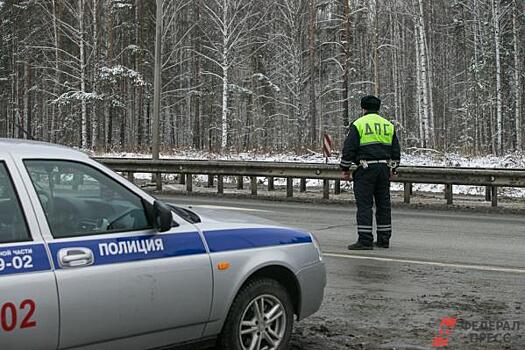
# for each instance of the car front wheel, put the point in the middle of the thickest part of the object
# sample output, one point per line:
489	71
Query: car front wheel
261	318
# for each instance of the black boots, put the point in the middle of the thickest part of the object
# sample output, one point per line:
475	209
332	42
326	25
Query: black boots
360	246
382	244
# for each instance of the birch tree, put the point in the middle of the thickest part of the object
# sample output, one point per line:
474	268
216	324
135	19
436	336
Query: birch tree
56	86
251	75
72	65
497	49
312	22
80	34
289	47
428	139
229	21
517	78
374	20
346	47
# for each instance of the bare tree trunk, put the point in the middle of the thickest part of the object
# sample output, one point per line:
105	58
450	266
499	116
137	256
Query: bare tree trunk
346	43
29	108
56	87
427	141
224	114
419	89
395	71
196	82
375	48
14	84
94	118
517	80
499	107
139	91
157	82
313	104
84	131
108	108
428	50
224	64
493	142
109	126
25	114
478	124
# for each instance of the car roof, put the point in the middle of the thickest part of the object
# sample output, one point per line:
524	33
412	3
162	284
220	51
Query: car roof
36	149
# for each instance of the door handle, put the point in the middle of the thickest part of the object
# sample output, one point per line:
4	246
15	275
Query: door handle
75	257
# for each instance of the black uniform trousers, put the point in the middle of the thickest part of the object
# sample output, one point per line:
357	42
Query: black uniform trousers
373	183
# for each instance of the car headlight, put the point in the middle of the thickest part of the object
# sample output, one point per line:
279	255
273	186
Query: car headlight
317	246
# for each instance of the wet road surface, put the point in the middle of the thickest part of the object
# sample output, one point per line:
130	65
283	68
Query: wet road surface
465	266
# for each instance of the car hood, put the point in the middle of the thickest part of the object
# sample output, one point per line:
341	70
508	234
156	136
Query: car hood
207	214
230	229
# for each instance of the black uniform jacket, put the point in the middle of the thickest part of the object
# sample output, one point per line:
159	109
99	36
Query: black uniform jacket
353	152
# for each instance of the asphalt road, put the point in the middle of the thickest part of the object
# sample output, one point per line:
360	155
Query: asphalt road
466	266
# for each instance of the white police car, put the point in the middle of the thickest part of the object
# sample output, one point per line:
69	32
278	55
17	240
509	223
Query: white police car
88	260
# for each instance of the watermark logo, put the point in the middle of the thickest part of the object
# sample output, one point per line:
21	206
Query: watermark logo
482	332
446	326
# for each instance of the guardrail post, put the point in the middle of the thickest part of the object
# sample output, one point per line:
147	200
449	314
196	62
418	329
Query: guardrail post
475	177
488	190
289	187
407	189
77	181
189	183
158	180
448	193
220	184
240	182
271	185
494	195
57	179
210	180
302	187
337	187
326	189
253	185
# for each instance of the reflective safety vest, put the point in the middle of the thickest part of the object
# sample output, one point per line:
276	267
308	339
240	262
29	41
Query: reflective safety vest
374	129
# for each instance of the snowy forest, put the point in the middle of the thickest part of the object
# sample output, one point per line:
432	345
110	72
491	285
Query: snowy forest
252	75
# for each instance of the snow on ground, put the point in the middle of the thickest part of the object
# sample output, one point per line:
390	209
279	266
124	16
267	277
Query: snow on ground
412	157
415	157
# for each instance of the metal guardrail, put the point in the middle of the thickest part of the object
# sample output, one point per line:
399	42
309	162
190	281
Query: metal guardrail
408	175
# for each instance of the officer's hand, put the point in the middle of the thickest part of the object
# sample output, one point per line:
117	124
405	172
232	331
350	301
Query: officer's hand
346	176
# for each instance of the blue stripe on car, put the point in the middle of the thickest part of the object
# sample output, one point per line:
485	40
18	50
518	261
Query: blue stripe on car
33	257
23	258
135	248
246	238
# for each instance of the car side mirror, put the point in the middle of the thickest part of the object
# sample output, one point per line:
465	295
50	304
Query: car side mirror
163	217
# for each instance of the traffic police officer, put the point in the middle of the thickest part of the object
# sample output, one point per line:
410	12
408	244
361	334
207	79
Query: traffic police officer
372	144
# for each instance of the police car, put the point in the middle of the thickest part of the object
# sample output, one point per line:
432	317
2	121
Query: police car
90	261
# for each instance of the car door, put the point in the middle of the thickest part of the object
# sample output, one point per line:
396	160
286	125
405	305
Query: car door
28	292
120	282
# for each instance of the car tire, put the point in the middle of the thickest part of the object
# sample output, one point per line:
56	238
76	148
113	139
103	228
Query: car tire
260	294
